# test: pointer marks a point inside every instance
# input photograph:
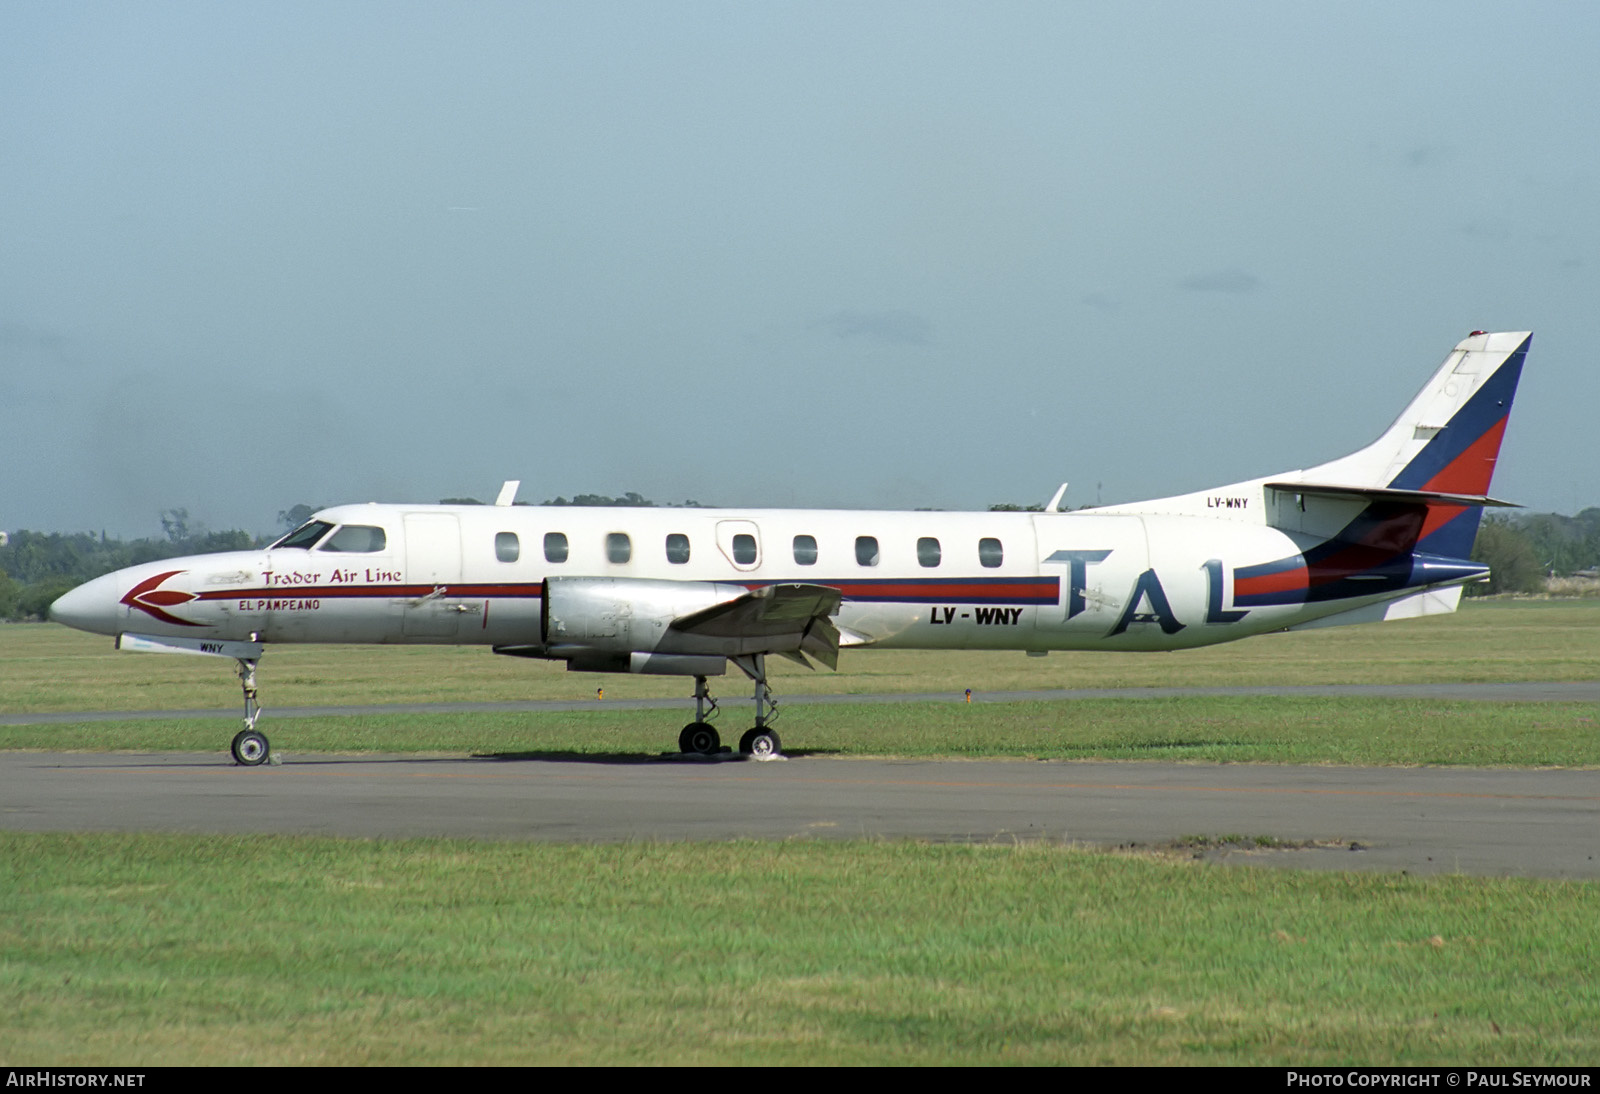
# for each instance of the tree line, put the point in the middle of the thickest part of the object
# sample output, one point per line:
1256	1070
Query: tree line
37	567
1523	550
1526	549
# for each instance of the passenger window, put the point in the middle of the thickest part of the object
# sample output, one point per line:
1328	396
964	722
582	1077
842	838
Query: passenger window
928	551
805	550
619	548
506	547
555	547
867	550
990	553
744	549
356	539
677	548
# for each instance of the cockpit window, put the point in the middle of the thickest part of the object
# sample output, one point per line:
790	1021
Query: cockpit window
305	536
356	539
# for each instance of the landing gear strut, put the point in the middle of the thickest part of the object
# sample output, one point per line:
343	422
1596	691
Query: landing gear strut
761	741
700	735
250	746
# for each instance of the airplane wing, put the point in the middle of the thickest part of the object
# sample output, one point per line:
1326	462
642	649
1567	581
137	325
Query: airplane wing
792	620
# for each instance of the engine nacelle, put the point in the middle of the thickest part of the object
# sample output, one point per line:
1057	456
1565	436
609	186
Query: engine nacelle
585	616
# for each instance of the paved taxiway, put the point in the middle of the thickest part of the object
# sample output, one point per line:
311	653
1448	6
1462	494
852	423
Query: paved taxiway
1427	820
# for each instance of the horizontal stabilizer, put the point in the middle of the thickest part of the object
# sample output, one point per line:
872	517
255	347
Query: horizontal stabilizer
1378	493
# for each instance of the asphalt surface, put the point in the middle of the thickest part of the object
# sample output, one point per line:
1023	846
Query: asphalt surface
1427	820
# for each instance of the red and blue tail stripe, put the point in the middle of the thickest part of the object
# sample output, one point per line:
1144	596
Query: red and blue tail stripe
1397	545
1461	460
1373	555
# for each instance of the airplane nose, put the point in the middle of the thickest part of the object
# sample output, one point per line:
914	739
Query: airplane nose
92	606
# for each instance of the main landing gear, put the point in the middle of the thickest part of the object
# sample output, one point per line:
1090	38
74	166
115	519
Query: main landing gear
760	741
250	746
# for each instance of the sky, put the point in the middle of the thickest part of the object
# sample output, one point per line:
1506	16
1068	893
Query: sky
855	254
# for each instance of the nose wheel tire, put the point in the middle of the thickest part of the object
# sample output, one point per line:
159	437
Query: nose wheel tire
760	742
699	737
250	748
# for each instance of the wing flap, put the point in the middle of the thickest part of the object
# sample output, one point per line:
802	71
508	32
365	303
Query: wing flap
785	619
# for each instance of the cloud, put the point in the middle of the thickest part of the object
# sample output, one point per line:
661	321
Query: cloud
899	327
1231	280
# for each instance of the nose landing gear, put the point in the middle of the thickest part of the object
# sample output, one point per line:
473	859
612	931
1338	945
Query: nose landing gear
250	746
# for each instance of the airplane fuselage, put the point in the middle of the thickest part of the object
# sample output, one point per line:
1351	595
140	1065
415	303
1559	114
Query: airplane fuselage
1385	532
924	580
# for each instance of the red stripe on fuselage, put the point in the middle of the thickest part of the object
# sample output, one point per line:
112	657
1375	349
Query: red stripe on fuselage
1034	590
1280	582
367	592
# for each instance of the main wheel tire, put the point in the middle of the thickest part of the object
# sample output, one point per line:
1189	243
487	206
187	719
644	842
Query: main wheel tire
699	737
250	748
760	742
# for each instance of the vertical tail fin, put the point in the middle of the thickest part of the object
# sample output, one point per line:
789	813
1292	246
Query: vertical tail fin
1446	441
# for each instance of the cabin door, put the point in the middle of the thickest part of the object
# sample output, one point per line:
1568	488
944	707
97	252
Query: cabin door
433	565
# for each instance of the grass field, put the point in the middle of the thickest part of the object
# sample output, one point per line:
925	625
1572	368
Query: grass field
171	950
1211	729
164	949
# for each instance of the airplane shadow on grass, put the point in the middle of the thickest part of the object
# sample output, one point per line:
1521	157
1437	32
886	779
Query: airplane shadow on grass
690	758
312	759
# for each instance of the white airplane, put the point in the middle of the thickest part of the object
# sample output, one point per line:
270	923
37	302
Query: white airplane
1384	533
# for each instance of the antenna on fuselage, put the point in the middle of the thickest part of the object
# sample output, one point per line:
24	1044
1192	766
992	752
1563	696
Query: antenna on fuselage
508	492
1055	502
